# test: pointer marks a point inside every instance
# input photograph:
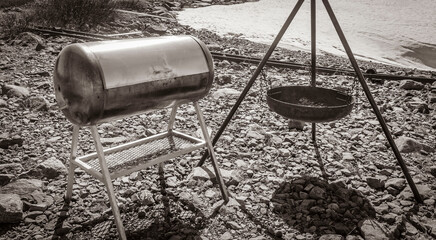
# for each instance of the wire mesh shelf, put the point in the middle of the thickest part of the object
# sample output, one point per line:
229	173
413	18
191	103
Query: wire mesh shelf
127	158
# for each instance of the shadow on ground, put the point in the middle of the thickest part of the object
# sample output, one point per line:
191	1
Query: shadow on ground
171	218
4	230
313	205
174	218
168	218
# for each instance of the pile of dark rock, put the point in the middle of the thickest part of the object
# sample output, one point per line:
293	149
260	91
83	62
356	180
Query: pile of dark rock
316	206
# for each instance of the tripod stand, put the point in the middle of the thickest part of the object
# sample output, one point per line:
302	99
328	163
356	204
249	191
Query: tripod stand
313	84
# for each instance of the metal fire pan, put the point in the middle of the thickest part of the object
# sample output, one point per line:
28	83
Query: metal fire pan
309	104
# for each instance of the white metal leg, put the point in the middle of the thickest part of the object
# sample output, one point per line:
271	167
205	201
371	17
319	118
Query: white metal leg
172	118
212	153
71	166
108	183
170	129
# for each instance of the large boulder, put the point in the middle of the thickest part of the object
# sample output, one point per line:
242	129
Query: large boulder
224	79
424	190
11	168
331	237
233	177
146	198
52	168
3	103
31	39
11	208
5	178
408	145
373	230
7	140
353	237
15	91
432	98
157	28
38	103
317	193
397	183
411	85
255	134
375	182
8	171
225	92
433	171
201	173
295	124
22	187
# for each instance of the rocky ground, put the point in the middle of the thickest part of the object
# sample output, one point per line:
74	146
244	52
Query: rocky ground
346	186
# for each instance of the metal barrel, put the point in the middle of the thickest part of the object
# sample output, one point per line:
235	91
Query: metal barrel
101	81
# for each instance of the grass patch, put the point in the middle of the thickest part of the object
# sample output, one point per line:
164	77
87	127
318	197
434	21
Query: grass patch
75	14
79	13
14	23
13	3
130	4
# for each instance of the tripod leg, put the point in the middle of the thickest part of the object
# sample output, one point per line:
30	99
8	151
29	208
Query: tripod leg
313	50
253	78
372	101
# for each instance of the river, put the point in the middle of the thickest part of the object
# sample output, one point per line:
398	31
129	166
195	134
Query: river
396	32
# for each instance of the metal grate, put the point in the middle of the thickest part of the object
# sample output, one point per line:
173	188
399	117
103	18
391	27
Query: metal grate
103	230
141	153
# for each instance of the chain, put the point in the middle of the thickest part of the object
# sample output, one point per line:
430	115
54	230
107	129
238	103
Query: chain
354	91
353	87
264	80
309	69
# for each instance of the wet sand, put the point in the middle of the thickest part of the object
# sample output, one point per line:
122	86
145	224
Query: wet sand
377	30
424	54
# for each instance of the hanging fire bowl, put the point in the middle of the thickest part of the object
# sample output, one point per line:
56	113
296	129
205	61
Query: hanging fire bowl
309	104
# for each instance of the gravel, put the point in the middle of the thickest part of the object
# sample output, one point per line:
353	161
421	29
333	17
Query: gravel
282	185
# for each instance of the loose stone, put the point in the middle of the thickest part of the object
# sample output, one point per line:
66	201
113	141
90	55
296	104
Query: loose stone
52	168
15	91
11	208
372	230
22	186
411	85
375	182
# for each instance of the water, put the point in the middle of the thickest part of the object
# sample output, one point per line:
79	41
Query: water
396	32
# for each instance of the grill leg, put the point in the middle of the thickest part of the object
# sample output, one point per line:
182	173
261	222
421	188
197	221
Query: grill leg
71	166
160	171
172	118
108	183
170	129
212	153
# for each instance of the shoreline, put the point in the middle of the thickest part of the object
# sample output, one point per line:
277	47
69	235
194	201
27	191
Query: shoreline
425	53
325	59
370	45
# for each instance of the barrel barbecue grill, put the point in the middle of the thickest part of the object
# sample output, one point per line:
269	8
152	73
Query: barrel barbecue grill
98	82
